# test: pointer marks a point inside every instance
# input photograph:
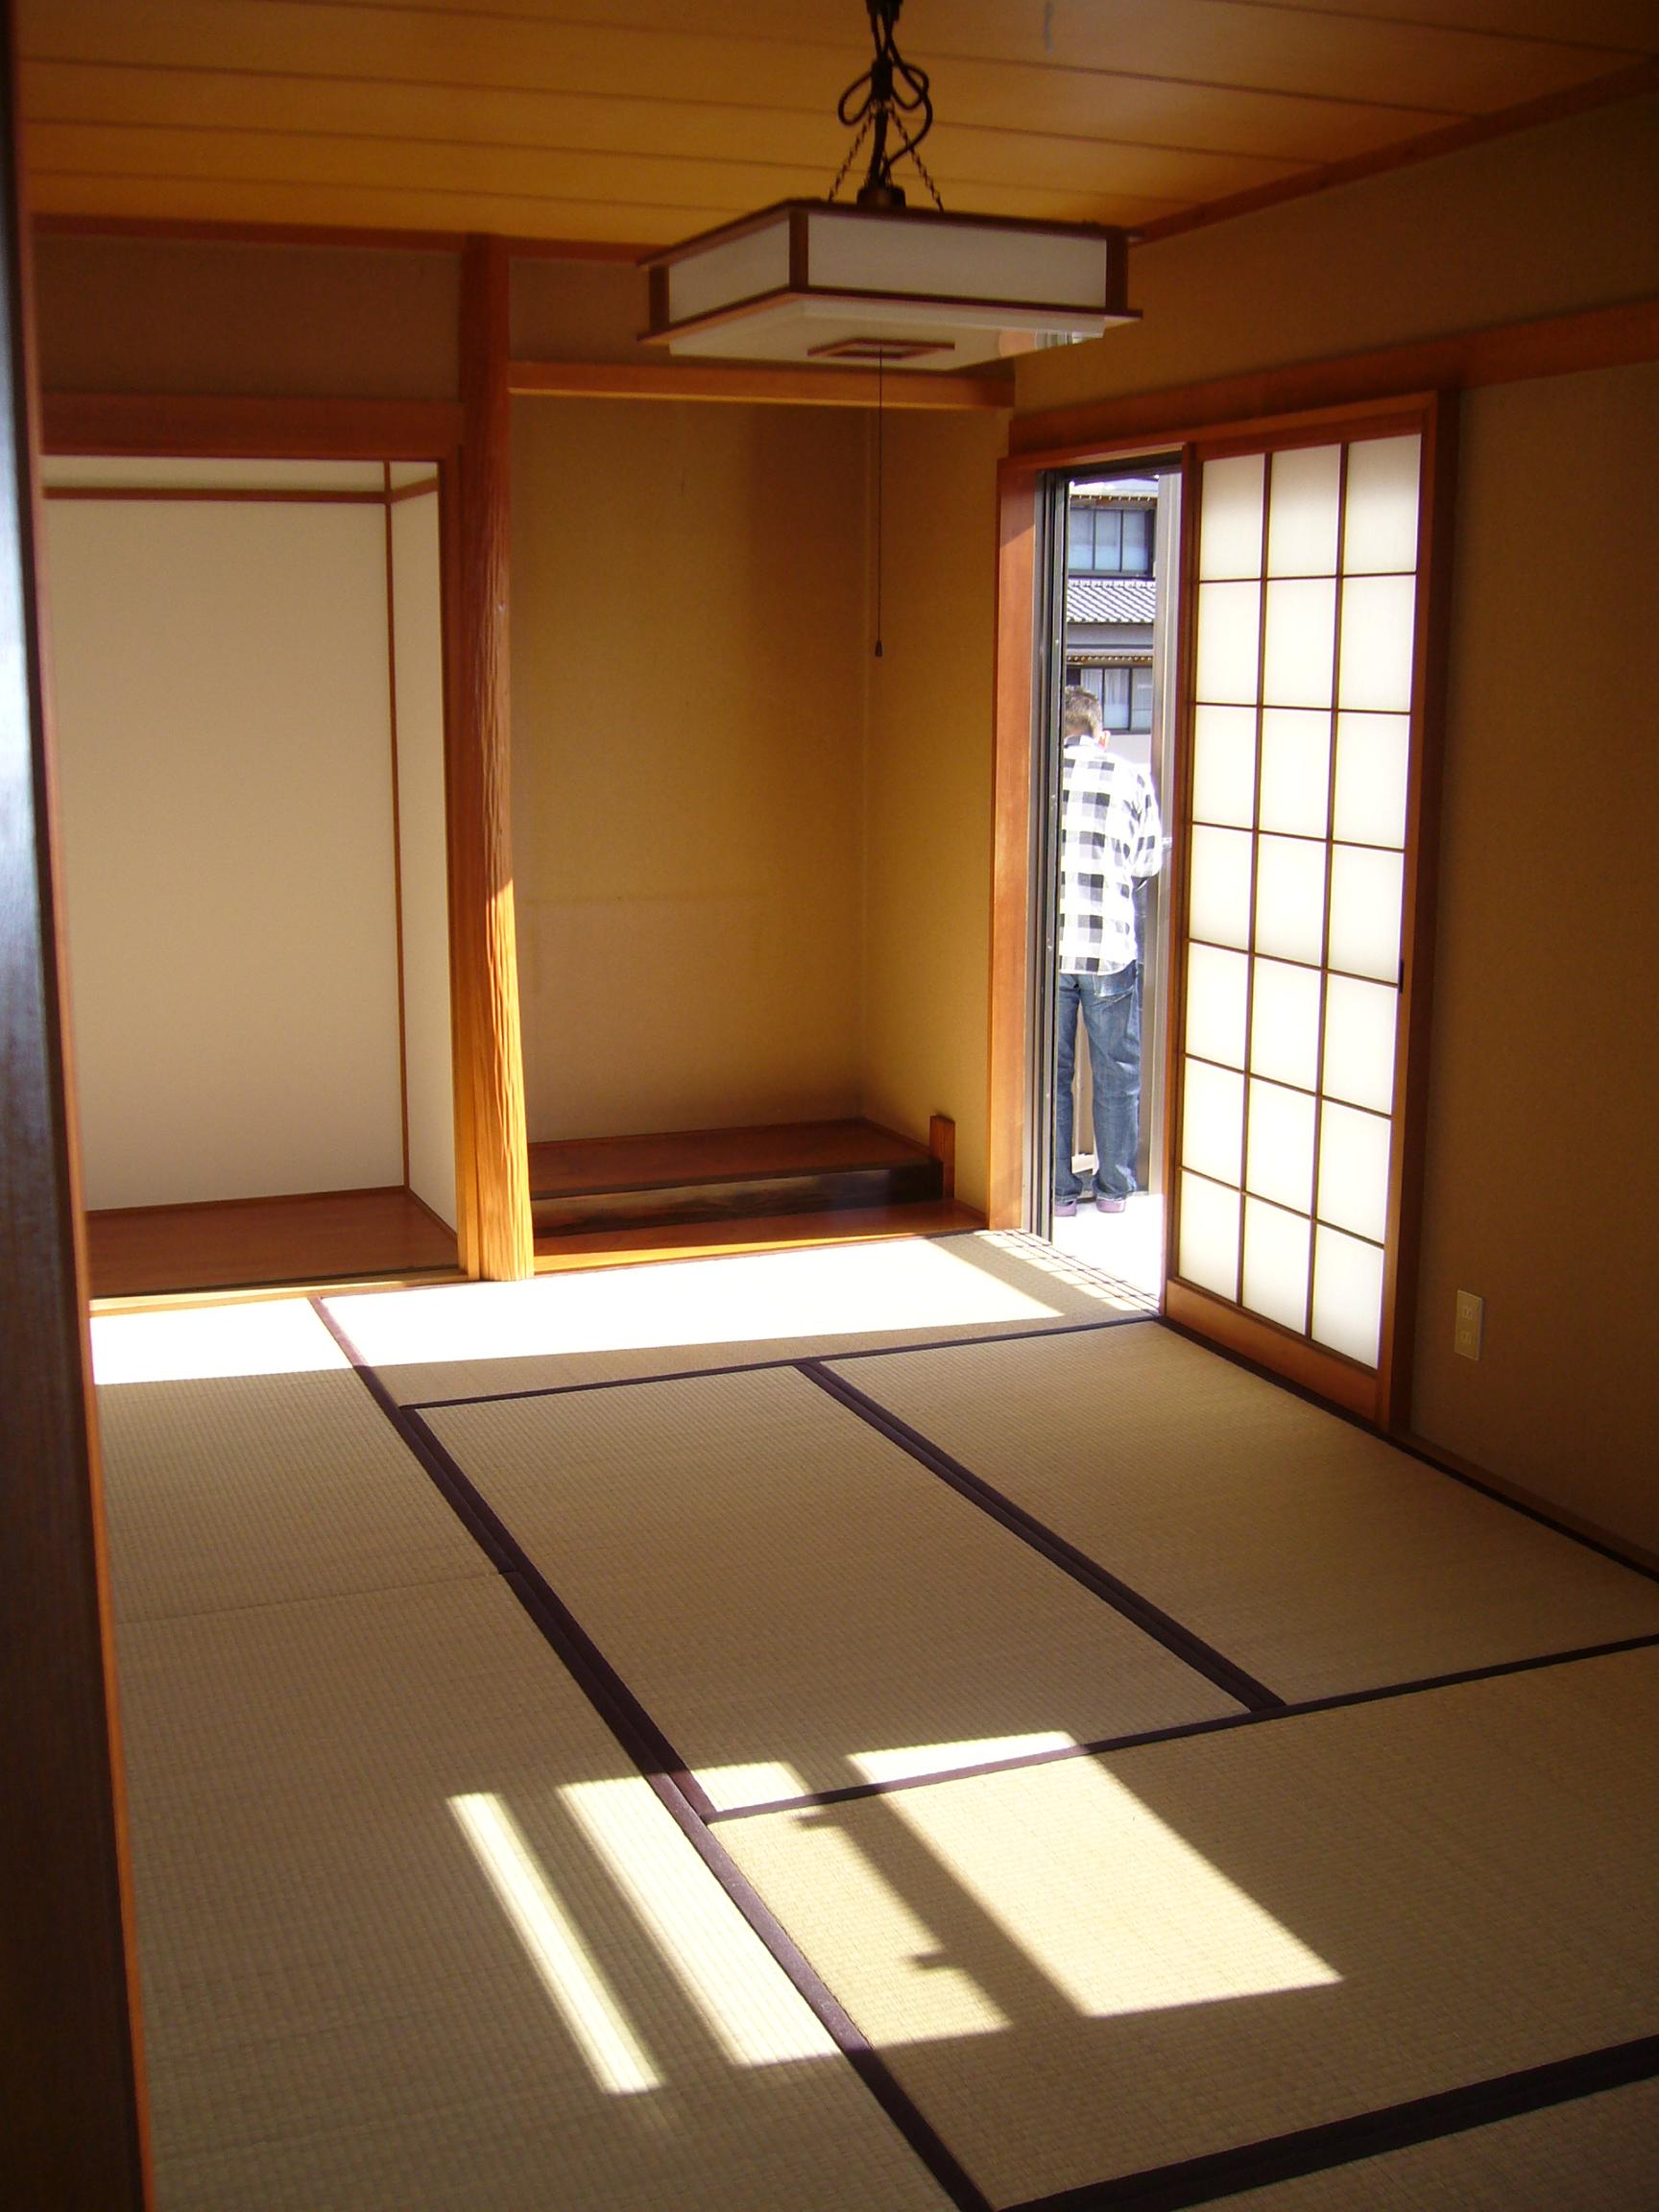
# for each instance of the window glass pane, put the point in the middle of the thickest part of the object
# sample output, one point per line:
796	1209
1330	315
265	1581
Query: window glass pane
1285	1023
1365	897
1224	765
1353	1169
1079	539
1371	760
1359	1021
1279	1157
1108	538
1381	524
1295	771
1228	642
1298	666
1290	899
1212	1121
1215	1003
1208	1236
1114	698
1378	616
1140	699
1347	1295
1230	525
1137	540
1219	901
1302	512
1276	1246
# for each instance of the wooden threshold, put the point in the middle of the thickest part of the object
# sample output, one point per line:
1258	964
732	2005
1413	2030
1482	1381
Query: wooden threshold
762	1233
245	1243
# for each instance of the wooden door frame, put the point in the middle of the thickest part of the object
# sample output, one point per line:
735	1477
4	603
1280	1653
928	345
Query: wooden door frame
1383	1394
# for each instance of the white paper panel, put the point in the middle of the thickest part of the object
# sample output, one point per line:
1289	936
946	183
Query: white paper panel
1347	1295
1285	1023
1295	771
1208	1236
1378	613
1372	750
1291	898
1212	1121
1216	996
1229	532
1279	1157
1302	512
1380	530
1224	765
1276	1249
1299	664
1359	1019
1220	909
1365	894
1353	1169
1230	643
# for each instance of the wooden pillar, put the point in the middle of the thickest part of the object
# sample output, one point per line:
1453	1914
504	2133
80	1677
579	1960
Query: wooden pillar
72	2127
481	837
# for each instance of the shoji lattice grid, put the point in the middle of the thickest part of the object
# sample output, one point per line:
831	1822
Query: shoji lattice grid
1306	619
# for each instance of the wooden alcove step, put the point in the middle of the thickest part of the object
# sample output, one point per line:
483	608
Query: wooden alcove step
719	1175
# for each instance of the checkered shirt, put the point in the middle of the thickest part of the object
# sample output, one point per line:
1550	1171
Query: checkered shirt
1110	835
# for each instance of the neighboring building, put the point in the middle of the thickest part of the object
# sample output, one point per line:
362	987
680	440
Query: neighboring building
1112	596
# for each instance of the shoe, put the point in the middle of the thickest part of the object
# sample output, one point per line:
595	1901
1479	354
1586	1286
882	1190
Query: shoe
1104	1203
1064	1208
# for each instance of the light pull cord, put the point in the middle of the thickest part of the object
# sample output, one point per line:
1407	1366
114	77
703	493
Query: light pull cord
880	472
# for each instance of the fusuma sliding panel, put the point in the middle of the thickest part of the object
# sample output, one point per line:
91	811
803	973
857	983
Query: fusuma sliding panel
1306	703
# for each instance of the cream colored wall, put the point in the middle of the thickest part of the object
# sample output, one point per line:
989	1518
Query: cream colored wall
1543	223
1542	1188
1539	1177
688	648
219	674
418	676
927	834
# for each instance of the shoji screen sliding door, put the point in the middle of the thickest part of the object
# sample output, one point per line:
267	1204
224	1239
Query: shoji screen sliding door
1302	966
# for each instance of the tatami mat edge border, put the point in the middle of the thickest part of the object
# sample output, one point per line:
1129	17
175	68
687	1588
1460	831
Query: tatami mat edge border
1363	2135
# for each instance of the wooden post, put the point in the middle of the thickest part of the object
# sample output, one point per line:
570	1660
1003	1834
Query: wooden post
481	841
72	2130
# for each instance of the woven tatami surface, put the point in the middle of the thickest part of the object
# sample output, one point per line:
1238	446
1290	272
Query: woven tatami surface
473	1339
785	1588
1105	1967
1314	1555
340	2016
1595	2154
245	1463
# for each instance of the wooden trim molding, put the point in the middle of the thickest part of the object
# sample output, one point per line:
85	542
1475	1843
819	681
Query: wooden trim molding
1613	337
74	2092
187	424
785	386
1011	846
480	818
1325	1374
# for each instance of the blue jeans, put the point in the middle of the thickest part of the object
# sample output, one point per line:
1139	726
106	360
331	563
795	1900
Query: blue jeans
1111	1009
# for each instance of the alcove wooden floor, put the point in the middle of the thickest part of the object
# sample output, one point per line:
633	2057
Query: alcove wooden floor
320	1236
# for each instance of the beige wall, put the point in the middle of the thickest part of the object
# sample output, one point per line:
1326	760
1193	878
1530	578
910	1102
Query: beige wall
1539	1177
927	851
689	642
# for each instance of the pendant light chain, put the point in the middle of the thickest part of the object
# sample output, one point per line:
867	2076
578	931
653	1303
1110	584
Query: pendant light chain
893	98
881	474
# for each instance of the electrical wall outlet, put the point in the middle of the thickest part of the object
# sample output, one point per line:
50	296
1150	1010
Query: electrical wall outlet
1470	1326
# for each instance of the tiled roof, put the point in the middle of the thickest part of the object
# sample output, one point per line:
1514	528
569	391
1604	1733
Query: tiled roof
1110	598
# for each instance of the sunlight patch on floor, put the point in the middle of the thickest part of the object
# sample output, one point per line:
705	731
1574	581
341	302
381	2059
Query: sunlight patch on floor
271	1337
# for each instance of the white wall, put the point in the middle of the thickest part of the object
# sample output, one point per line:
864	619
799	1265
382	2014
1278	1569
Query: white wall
220	678
418	672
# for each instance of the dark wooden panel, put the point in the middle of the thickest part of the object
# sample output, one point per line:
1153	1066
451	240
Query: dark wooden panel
68	2050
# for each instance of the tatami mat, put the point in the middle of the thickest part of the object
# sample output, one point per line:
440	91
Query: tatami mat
1311	1553
784	1589
370	1837
245	1463
480	1339
1595	2154
1104	1966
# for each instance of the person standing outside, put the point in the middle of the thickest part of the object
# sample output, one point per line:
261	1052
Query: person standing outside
1111	839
